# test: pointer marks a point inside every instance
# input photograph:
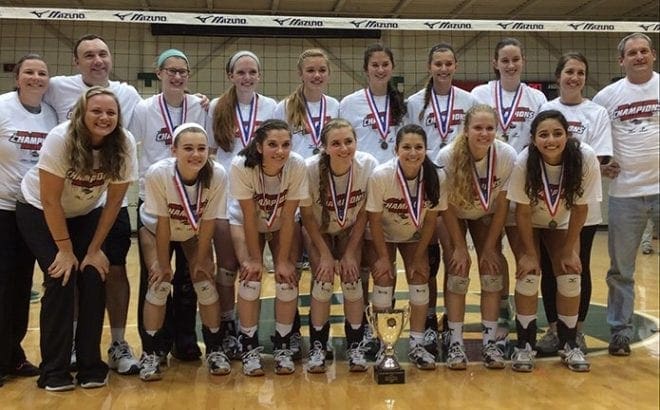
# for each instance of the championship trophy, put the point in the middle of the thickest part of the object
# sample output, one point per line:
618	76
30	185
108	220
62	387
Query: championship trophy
388	326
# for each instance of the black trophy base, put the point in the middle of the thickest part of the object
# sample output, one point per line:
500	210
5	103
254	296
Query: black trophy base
396	376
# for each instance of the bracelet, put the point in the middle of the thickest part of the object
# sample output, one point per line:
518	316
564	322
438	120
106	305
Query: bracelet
62	240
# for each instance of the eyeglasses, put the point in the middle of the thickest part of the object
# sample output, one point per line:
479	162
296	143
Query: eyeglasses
172	72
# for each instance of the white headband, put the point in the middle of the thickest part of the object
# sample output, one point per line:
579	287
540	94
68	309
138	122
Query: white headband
242	53
187	126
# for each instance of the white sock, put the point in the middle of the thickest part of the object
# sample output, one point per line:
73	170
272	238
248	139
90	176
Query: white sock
117	334
569	321
488	331
249	331
416	338
151	332
283	329
525	320
214	330
356	326
455	332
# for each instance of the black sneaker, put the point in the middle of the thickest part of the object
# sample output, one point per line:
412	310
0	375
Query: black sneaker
59	384
619	345
25	369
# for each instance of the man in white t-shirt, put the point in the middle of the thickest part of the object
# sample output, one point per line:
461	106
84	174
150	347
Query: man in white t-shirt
634	197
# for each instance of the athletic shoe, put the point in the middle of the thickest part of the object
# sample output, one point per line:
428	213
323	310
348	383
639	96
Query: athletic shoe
296	346
430	341
421	357
357	361
370	343
619	345
218	363
581	342
522	359
252	365
57	387
150	367
492	356
329	351
548	344
230	344
574	359
456	357
121	358
647	249
25	369
283	361
94	383
316	358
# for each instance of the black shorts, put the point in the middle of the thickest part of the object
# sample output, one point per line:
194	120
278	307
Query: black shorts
118	241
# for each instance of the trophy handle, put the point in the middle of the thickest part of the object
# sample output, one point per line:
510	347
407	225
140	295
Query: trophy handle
368	311
406	315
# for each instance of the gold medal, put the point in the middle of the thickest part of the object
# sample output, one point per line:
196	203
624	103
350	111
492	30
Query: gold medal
268	236
417	236
552	224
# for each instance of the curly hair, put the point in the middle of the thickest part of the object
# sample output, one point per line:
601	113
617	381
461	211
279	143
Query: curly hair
397	106
571	159
80	151
431	180
438	48
461	167
295	106
252	155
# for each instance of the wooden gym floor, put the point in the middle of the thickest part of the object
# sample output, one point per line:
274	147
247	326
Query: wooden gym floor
613	383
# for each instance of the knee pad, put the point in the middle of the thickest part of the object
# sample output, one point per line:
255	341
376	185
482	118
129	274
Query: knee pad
352	291
206	292
249	291
418	294
491	283
528	285
458	284
157	295
322	291
569	285
285	292
225	277
382	296
434	259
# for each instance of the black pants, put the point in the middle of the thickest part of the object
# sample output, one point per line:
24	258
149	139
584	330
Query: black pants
549	283
56	317
16	268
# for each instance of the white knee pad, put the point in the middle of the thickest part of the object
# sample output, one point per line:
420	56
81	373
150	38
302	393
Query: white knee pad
569	285
225	277
491	283
458	284
206	292
285	292
322	291
418	294
249	291
382	296
157	295
352	291
528	285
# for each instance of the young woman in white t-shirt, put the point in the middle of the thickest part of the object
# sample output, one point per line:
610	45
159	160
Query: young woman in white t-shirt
70	200
25	120
184	196
232	121
403	202
267	181
334	219
553	182
590	124
478	167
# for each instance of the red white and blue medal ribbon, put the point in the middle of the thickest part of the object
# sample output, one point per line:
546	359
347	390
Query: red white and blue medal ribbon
551	201
270	215
193	217
442	121
416	204
315	127
167	117
506	114
383	124
245	131
485	194
341	212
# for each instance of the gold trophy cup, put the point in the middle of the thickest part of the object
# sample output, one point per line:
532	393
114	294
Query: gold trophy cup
388	326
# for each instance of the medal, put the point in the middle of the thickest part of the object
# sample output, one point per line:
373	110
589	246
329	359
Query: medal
442	145
442	121
316	151
505	114
167	118
484	192
383	125
417	236
268	236
416	204
315	127
245	130
272	213
192	217
341	212
552	201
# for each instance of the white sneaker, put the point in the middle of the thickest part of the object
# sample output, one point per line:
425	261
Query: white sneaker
150	367
574	358
357	362
522	359
252	365
492	356
421	357
548	344
316	358
284	361
121	358
456	357
93	384
218	363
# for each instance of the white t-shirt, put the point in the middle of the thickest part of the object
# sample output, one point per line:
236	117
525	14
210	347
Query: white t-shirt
21	135
64	91
459	105
302	140
518	131
151	129
162	199
81	194
355	109
541	216
505	158
634	110
265	107
385	195
589	123
269	197
363	166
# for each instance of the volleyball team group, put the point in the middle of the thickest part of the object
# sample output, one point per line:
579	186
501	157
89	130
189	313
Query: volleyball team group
346	184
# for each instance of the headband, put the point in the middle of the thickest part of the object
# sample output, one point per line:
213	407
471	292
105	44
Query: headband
172	52
242	53
187	126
